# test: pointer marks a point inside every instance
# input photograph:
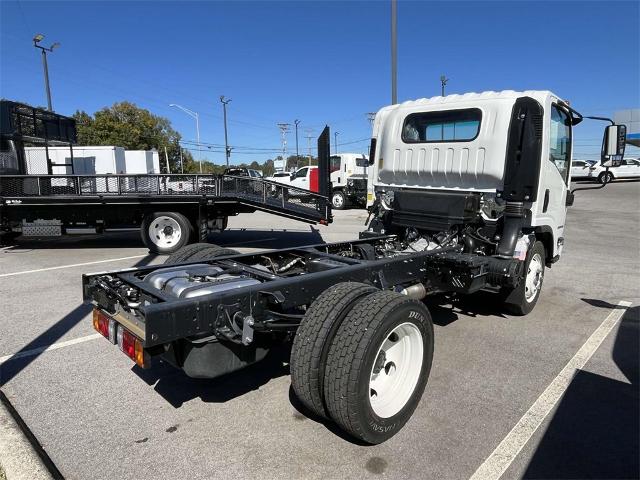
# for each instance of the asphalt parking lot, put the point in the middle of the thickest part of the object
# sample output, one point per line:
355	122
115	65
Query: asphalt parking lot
96	416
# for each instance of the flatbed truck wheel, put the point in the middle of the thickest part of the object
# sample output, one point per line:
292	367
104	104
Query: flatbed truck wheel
378	365
186	252
312	340
166	232
523	298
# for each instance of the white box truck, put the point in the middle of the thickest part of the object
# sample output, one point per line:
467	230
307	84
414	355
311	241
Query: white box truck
141	161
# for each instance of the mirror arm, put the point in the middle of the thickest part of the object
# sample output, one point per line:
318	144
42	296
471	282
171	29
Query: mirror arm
606	169
604	119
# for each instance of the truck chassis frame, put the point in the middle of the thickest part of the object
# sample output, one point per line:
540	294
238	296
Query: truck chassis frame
266	307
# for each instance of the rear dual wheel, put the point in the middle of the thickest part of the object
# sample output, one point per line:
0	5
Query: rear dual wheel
198	252
377	362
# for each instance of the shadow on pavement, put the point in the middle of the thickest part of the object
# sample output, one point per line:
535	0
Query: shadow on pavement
106	240
177	388
14	365
595	430
234	237
266	238
594	302
445	308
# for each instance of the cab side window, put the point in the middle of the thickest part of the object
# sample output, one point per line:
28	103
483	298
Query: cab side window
560	141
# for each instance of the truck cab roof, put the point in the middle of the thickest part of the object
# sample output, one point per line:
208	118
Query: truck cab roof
455	142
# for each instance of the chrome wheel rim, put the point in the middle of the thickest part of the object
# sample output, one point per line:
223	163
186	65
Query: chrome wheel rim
165	232
396	370
337	200
533	281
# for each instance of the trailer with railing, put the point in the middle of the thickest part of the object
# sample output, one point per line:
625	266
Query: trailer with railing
171	210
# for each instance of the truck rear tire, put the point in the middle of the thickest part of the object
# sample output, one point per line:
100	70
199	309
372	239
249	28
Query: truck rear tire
312	340
212	252
523	298
378	365
165	232
198	251
338	200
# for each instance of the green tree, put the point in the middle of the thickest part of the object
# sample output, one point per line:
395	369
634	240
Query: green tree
124	124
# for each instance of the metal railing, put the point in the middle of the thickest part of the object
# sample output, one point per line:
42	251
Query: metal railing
252	190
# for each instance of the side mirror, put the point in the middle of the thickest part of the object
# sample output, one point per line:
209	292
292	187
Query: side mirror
613	145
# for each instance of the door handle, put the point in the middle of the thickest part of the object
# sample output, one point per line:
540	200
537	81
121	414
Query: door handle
545	205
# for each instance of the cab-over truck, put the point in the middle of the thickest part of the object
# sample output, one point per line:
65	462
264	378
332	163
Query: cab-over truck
468	192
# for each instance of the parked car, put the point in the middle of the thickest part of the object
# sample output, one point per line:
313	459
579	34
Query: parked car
254	188
280	177
582	169
629	168
243	172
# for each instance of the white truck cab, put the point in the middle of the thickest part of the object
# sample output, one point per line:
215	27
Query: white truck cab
348	179
490	170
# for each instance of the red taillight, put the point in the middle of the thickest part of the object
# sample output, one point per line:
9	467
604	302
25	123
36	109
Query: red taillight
127	343
132	347
105	325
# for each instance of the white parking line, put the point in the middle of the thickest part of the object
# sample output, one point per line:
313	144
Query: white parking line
53	346
69	266
505	453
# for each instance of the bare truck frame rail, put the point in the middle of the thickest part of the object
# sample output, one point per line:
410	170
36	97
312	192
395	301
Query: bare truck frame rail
18	192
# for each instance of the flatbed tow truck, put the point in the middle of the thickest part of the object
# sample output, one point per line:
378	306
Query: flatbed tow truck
170	210
468	192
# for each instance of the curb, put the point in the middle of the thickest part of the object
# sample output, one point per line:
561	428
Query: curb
21	455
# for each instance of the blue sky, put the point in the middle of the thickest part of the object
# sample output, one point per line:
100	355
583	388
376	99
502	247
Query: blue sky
320	62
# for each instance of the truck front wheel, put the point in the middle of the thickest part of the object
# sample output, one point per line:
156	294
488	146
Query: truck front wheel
523	298
165	232
378	365
338	200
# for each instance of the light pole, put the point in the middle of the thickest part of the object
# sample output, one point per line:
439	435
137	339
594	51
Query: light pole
195	115
297	122
36	43
394	52
227	150
443	82
335	142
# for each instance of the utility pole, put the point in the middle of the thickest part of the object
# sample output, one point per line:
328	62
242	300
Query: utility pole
36	43
335	143
284	129
309	136
227	150
181	161
443	82
371	116
297	122
394	52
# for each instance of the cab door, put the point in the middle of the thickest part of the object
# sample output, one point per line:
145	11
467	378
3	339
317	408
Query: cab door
551	210
301	179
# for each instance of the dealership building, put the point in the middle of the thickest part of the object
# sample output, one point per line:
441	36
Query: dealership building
630	118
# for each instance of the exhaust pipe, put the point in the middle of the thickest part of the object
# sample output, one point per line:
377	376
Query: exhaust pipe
416	291
513	220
